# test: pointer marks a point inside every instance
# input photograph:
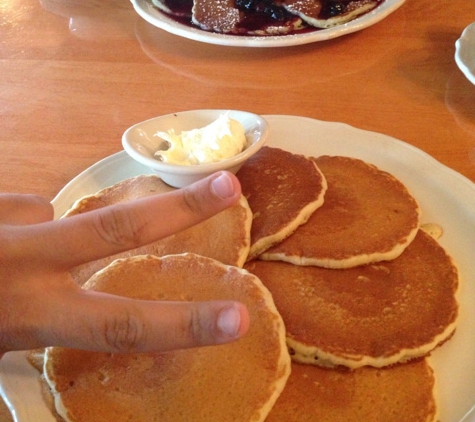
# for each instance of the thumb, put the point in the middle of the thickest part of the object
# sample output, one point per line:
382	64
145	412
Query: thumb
108	323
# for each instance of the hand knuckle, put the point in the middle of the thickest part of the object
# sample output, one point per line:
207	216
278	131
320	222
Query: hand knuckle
193	202
117	228
195	330
125	333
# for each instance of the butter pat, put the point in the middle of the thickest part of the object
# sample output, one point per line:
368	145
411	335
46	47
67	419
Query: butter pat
224	138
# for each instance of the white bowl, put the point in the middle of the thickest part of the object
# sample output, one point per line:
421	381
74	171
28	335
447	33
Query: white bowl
465	52
140	142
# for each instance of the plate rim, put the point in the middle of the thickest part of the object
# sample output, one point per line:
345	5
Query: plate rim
159	19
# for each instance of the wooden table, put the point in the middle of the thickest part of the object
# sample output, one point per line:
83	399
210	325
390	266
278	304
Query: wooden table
74	74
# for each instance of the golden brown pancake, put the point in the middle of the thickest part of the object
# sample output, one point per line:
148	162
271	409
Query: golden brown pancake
123	191
368	216
239	380
376	315
402	393
325	14
283	190
36	358
224	237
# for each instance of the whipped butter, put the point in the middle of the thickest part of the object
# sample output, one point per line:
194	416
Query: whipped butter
221	139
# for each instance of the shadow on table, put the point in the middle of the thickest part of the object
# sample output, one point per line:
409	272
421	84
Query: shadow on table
210	64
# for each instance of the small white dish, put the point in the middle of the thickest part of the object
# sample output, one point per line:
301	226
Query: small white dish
161	20
140	142
465	52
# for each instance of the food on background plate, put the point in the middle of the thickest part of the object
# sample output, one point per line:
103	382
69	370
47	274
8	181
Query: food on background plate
230	246
215	15
239	380
368	216
264	17
283	190
222	139
328	13
377	314
401	393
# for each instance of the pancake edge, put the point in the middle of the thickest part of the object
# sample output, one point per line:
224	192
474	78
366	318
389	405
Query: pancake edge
244	252
351	262
305	213
312	355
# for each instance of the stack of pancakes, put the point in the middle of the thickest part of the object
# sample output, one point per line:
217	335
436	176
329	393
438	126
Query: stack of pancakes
331	249
365	296
230	16
359	284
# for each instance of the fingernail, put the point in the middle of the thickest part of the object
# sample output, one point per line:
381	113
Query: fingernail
223	186
229	321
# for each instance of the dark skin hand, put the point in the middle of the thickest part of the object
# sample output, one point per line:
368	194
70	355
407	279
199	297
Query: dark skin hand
40	305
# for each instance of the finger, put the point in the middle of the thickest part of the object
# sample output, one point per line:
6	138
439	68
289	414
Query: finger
102	322
24	209
93	235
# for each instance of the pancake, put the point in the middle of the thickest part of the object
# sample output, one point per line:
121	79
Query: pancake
123	191
376	315
217	15
216	383
326	14
396	394
368	216
260	18
283	190
208	238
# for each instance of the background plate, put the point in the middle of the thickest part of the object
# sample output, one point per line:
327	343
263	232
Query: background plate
154	16
445	197
465	52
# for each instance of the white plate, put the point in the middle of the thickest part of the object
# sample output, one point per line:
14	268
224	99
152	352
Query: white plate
465	52
446	198
154	16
